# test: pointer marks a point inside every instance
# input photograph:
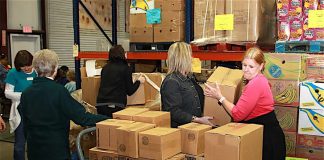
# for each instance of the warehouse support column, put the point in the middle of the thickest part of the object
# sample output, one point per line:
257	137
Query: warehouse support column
76	29
114	21
189	21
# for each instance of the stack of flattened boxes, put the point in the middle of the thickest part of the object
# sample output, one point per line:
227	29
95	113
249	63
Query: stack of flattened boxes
170	29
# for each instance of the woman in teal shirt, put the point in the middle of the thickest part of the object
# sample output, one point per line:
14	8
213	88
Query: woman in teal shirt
17	80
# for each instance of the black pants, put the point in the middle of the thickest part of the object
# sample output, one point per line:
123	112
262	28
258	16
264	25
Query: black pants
108	111
274	145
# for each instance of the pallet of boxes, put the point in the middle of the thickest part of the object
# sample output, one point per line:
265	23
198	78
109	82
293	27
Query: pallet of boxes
293	78
157	25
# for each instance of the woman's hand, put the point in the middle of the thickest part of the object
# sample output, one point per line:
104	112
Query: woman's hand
204	120
141	79
213	91
2	125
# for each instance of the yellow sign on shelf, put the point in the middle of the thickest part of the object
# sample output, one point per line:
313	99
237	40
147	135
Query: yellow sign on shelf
224	22
75	50
316	19
196	65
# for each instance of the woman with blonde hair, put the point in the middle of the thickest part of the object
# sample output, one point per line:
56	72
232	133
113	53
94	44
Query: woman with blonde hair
255	104
180	93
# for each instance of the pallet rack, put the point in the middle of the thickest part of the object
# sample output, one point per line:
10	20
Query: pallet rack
203	55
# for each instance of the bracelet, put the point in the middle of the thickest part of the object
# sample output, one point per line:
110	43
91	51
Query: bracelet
221	100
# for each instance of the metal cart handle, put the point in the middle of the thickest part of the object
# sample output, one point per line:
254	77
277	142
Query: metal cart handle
78	141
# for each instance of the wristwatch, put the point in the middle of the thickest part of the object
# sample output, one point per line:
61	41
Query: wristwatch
193	118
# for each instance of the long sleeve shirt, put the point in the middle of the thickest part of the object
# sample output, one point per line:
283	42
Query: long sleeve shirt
256	100
47	108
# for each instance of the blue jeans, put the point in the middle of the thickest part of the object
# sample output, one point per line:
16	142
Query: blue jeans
19	147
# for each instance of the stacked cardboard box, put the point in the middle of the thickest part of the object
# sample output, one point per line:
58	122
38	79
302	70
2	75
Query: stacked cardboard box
284	72
234	141
252	21
170	29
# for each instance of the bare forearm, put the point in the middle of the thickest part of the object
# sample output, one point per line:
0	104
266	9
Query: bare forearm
228	106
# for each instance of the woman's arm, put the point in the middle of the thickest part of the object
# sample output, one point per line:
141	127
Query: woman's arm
10	94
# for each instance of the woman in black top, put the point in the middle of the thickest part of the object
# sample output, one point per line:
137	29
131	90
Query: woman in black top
116	83
180	93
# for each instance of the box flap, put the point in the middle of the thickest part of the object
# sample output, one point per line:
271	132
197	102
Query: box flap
235	129
137	126
152	114
160	131
131	111
226	76
115	122
195	126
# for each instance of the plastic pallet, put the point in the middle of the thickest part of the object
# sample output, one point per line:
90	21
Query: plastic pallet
138	47
300	47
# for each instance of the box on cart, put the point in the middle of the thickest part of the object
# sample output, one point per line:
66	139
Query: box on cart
106	133
159	118
128	113
291	140
127	138
311	121
234	141
193	138
230	82
99	154
159	143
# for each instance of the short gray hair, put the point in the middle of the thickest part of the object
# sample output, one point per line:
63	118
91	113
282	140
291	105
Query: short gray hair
45	62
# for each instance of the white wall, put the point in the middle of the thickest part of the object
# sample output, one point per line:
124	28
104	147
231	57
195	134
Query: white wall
23	12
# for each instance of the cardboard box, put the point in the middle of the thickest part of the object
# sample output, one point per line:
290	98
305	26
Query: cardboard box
170	5
159	118
106	133
137	34
247	20
193	138
204	21
171	19
127	138
311	95
311	147
315	67
229	81
287	117
98	154
234	141
90	87
285	92
138	97
285	66
138	21
310	122
169	33
159	143
128	113
291	138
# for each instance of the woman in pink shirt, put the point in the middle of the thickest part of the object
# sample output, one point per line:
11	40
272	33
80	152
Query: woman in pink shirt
255	105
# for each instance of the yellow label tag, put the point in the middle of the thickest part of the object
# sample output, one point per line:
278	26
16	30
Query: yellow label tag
295	158
308	104
196	65
75	50
224	22
279	5
308	129
316	19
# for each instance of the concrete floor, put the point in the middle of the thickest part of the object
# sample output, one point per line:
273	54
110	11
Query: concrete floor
6	150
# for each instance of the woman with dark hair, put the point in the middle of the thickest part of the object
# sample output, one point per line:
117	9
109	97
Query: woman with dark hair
116	83
17	80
